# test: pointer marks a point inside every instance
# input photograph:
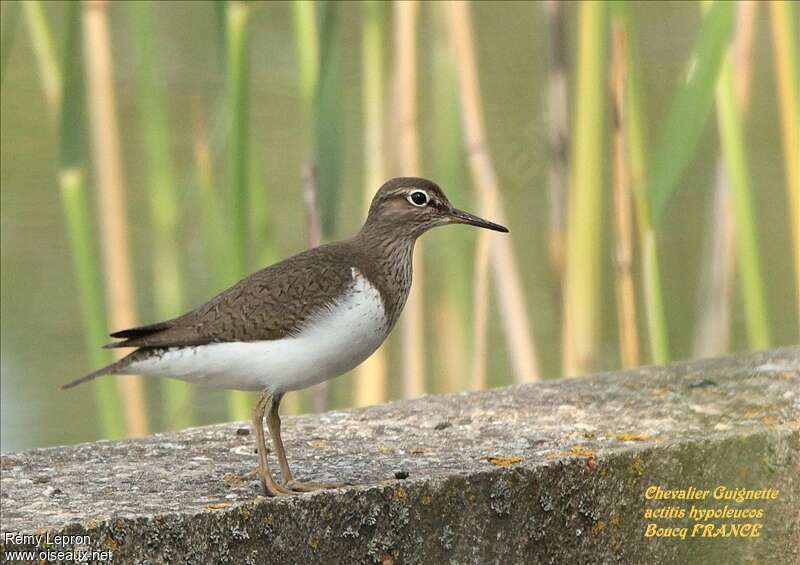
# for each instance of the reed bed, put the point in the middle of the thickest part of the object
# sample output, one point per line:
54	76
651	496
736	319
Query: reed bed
420	110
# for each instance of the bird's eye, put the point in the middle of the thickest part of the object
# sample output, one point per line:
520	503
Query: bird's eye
418	198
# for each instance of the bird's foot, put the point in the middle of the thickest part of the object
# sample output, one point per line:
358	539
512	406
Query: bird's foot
290	487
273	489
299	486
270	486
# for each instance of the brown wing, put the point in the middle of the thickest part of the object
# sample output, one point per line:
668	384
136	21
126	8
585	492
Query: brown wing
269	304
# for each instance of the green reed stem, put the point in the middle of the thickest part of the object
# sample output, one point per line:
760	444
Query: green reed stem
42	41
306	35
585	208
655	314
238	139
261	247
316	29
747	248
164	210
691	107
74	201
10	23
307	42
216	239
327	141
238	166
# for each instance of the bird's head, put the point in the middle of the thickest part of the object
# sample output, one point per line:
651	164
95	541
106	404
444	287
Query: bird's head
411	206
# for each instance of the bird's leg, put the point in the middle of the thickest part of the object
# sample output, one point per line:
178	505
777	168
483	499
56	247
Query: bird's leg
274	425
271	488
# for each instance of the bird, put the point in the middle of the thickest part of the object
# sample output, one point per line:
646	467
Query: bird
304	320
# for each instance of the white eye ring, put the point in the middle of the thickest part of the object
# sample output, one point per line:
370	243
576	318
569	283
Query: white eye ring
415	193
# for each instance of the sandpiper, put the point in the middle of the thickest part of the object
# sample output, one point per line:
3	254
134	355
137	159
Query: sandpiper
299	322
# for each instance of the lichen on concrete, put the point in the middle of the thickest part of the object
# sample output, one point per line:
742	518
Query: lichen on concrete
547	473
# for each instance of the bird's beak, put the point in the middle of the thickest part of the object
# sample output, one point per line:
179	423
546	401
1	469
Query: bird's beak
460	217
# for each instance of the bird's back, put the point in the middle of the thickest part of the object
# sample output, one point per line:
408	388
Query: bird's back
269	304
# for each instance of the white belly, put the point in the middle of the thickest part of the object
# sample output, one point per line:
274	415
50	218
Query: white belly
337	340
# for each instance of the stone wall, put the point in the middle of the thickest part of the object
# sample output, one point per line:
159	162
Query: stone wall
557	472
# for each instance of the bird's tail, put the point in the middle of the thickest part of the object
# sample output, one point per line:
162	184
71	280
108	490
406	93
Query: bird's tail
107	370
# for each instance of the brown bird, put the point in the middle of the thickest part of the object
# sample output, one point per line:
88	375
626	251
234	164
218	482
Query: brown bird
299	322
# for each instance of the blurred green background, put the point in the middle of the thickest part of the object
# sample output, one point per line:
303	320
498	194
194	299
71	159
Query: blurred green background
43	329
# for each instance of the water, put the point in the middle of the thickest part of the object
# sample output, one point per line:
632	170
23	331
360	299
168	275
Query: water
42	340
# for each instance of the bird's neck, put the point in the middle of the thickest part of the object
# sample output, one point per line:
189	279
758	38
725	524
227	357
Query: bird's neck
386	242
387	258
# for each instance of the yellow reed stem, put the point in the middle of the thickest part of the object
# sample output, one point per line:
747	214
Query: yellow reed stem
413	323
623	257
504	266
111	197
581	328
784	36
713	326
557	134
372	375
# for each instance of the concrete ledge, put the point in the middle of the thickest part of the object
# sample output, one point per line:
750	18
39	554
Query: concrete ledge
548	473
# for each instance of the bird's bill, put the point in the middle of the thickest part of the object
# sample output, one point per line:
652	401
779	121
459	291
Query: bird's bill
460	217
